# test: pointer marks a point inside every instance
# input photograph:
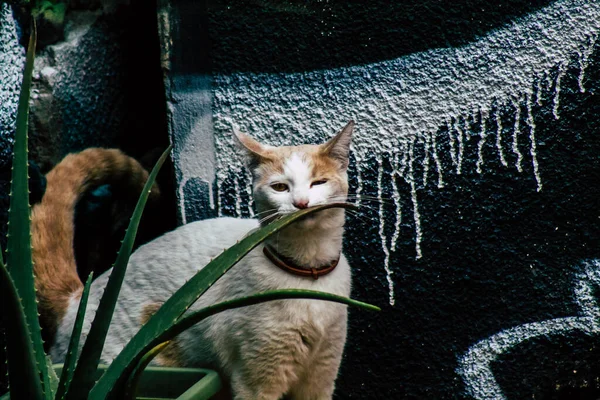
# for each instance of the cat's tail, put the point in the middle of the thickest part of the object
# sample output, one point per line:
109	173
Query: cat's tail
52	223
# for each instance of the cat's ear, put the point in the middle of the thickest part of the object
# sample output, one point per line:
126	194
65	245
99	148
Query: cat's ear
338	147
255	151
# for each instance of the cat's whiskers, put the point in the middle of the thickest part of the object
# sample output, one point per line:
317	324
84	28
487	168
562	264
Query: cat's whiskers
356	214
262	213
273	216
370	198
362	205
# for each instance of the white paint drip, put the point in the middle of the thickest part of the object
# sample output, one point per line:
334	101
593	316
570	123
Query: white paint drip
481	143
359	183
516	133
532	149
238	198
249	193
584	56
475	365
461	147
413	196
182	200
499	129
219	197
382	236
452	140
562	69
397	204
396	101
426	147
438	164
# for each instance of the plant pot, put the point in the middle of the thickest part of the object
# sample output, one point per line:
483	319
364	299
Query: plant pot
166	383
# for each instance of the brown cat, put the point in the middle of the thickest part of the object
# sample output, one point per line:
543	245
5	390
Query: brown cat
52	222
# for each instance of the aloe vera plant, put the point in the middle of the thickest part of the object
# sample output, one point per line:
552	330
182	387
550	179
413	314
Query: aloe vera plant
111	383
30	373
28	377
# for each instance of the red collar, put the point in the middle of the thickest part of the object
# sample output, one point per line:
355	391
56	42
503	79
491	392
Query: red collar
288	265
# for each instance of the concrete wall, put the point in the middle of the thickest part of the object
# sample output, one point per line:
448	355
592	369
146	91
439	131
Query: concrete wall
476	156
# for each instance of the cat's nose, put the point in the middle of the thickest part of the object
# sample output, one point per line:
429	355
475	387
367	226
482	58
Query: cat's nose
300	204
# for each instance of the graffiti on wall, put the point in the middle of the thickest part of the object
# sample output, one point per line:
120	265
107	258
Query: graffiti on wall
462	164
489	87
475	364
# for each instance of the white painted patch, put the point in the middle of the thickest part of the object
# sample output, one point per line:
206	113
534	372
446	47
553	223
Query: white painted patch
396	101
194	150
475	365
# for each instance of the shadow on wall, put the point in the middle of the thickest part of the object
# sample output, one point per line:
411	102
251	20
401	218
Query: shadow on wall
298	35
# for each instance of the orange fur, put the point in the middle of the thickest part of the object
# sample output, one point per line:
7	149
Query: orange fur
272	162
52	223
171	355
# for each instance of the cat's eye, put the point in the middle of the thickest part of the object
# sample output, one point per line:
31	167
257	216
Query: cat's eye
280	187
319	182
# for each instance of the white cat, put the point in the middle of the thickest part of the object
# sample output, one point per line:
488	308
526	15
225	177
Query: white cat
266	351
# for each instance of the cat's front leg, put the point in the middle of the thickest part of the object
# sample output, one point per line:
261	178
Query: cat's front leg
246	387
318	380
265	366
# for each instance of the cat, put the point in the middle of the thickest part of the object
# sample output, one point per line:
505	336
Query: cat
53	225
289	348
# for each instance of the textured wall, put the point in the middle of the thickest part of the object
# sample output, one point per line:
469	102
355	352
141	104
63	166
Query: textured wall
100	85
470	92
476	156
12	59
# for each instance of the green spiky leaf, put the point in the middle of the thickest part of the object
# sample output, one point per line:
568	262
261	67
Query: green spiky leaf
69	364
184	297
52	377
136	374
18	257
282	294
83	377
23	372
193	318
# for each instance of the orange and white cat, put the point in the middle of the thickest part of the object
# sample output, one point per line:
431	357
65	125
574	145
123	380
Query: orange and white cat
289	348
